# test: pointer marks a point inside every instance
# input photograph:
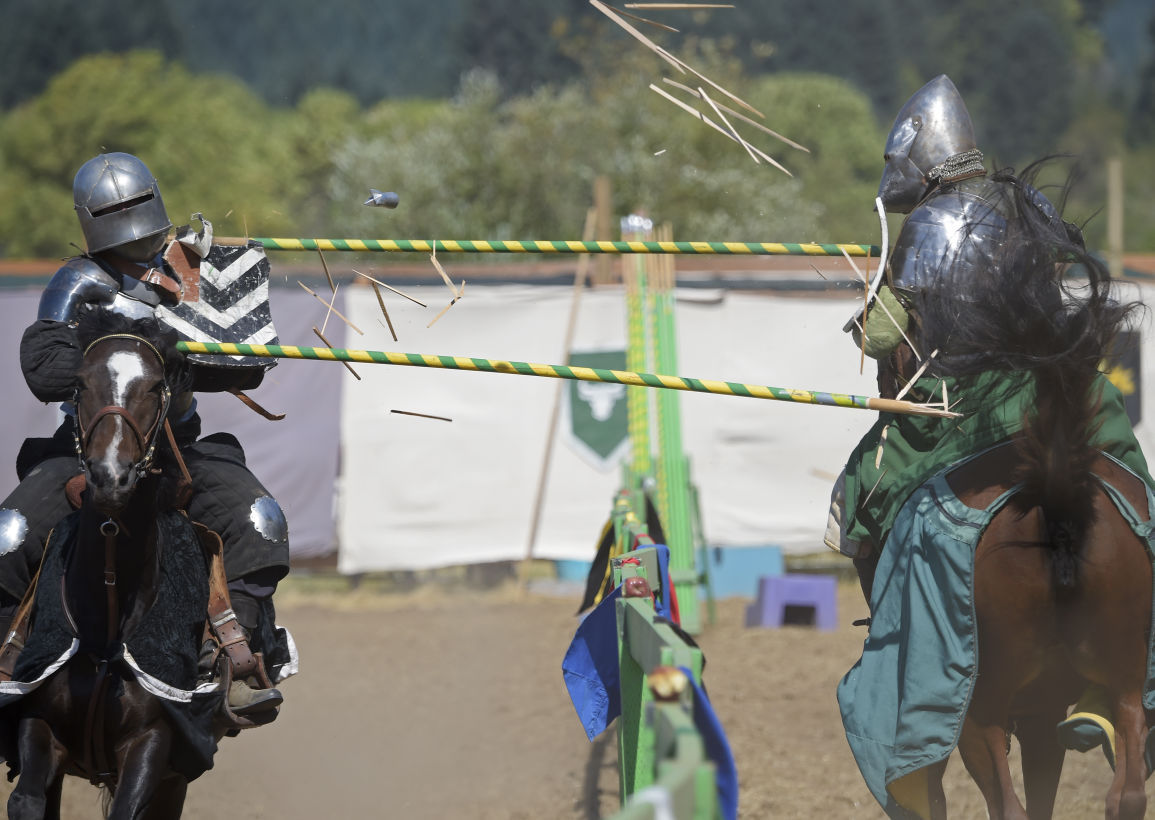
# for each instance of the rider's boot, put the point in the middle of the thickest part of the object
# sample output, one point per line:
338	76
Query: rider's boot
1090	724
249	696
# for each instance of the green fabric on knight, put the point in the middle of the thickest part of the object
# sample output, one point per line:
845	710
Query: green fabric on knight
993	405
886	322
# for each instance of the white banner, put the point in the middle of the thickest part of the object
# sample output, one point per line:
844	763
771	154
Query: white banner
420	493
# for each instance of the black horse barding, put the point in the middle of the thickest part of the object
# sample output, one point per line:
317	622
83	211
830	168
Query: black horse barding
108	685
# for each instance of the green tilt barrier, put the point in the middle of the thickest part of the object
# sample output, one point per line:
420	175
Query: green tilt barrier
556	371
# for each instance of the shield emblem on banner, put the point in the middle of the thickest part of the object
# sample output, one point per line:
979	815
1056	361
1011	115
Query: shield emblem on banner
598	424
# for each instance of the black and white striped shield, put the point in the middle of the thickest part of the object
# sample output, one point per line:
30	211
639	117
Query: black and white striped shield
226	300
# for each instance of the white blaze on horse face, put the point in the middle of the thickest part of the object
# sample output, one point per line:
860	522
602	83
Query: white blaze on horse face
124	369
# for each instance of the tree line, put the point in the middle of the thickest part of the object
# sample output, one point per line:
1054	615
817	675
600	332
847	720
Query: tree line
493	119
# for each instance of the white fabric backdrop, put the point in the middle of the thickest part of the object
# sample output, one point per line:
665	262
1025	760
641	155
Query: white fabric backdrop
420	493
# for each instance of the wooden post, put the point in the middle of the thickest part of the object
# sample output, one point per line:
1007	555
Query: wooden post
603	228
1115	216
579	282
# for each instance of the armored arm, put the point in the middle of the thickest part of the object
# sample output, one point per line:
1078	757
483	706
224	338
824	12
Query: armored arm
50	355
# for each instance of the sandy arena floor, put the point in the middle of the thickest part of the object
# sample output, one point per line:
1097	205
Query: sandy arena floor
451	705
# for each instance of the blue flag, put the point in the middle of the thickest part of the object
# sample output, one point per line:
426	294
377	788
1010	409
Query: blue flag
717	749
590	668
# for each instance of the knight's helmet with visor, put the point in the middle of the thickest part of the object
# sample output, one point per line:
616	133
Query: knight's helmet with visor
119	206
933	139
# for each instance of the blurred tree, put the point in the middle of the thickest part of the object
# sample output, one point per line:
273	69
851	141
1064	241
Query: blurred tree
518	40
210	142
41	38
1141	128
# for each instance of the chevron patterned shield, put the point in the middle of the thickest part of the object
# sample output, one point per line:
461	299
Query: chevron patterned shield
226	300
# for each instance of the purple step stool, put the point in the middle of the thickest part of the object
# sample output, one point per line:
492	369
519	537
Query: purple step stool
776	592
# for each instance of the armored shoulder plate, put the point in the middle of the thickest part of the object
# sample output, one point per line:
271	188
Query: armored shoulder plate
80	282
955	232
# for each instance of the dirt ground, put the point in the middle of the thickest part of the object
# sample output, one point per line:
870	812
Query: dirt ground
436	704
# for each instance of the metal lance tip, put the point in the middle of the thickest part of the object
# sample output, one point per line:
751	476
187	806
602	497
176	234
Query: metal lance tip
380	199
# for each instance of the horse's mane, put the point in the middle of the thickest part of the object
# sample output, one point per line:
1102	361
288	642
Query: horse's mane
96	323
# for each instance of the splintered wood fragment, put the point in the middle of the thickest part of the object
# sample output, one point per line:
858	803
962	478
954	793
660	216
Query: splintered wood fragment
716	127
739	115
654	23
329	276
421	415
917	374
321	336
444	275
879	303
670	58
733	131
679	5
326	304
442	313
329	312
637	35
389	287
381	302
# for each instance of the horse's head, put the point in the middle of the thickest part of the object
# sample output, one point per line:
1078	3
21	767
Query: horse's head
123	394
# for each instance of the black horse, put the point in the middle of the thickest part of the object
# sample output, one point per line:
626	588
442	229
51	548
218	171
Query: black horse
108	686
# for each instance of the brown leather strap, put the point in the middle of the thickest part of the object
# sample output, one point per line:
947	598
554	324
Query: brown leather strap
187	266
256	408
18	626
96	761
222	620
185	488
167	288
110	529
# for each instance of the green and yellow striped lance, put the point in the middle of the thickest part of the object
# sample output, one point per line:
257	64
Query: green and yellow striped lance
553	246
557	371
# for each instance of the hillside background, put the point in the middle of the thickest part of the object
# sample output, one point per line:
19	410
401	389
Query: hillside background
493	119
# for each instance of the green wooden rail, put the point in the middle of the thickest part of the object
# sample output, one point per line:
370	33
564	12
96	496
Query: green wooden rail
658	744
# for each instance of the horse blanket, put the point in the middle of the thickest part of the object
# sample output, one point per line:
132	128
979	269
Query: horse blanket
160	654
993	405
904	702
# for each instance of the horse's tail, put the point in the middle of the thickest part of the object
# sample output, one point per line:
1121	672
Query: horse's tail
1056	457
1044	305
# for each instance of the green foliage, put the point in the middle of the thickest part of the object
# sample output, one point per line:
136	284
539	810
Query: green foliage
524	168
211	143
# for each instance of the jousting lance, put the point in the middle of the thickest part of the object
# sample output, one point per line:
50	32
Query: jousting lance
557	371
554	246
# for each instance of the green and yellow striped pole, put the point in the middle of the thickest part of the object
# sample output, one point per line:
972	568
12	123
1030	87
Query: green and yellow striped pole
554	246
557	371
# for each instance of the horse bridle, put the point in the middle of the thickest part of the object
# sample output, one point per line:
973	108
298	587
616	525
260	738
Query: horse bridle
146	441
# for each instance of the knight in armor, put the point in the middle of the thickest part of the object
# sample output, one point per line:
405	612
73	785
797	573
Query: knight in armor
125	272
951	298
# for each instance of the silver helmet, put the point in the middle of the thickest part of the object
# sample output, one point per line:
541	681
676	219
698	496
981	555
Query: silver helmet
119	206
932	137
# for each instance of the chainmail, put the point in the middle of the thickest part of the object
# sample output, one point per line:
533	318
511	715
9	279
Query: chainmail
968	163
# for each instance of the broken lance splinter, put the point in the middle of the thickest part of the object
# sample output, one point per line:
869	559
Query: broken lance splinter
557	246
565	372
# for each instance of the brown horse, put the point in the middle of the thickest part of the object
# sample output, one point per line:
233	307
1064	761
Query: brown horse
1045	636
1061	581
92	717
